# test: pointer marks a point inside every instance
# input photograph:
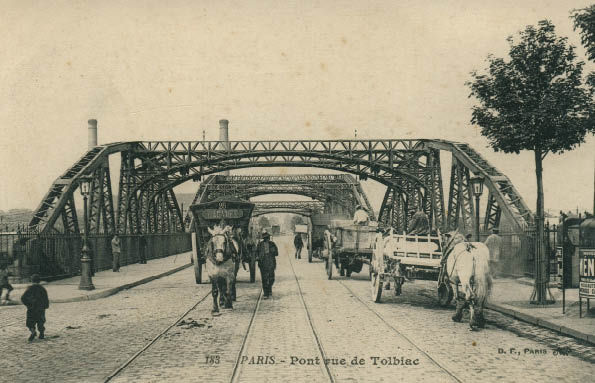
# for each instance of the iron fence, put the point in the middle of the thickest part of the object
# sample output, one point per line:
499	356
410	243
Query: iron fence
55	256
517	256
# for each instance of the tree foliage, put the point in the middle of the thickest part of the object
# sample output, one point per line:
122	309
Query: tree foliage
584	20
536	100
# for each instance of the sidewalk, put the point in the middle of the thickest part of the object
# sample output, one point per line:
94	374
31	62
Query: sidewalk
107	282
511	297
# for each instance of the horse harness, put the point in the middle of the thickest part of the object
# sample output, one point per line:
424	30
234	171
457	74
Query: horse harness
233	254
468	247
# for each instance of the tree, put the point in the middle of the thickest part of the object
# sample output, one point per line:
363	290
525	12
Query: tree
264	222
537	100
584	19
296	220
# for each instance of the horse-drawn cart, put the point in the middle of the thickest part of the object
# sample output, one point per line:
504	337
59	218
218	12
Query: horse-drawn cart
400	257
349	247
227	211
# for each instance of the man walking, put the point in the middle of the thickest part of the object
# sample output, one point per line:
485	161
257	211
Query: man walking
299	244
494	244
36	300
266	251
142	244
116	253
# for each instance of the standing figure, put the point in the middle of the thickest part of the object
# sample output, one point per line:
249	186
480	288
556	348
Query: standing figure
420	224
116	253
494	244
266	251
4	284
360	217
142	244
36	300
297	242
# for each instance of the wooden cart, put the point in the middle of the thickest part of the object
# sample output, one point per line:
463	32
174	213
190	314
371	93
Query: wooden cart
348	246
409	257
233	212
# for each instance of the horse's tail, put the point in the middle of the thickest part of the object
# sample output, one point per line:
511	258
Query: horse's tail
483	277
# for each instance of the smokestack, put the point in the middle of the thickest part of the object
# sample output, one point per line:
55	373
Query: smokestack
224	136
92	134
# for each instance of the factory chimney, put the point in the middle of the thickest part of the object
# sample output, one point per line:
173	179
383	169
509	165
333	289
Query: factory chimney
92	134
224	136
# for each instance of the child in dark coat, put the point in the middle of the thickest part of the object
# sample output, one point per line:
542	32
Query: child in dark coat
4	284
36	300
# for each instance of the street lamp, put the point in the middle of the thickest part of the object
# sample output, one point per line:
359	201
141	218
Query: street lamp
477	184
86	283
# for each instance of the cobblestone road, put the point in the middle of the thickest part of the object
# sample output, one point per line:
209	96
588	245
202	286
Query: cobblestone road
87	341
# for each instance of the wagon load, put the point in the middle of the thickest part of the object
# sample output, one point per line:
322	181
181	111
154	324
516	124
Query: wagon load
400	257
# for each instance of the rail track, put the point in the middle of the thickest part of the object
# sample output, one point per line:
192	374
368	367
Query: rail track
237	368
122	367
394	330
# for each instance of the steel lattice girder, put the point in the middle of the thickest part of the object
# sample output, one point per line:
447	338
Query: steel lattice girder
101	205
296	207
342	190
382	160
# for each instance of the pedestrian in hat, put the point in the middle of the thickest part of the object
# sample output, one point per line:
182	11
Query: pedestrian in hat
36	300
266	251
298	243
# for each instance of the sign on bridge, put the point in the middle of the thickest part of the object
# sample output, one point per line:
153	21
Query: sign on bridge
221	214
587	273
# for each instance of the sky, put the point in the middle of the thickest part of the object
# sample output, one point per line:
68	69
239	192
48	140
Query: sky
276	70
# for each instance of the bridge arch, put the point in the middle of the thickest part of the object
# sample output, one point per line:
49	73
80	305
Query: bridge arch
409	168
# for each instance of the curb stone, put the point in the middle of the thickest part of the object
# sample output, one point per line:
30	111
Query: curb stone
114	290
589	338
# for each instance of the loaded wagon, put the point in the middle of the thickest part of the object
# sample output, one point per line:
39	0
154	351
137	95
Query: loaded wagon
230	211
401	257
348	246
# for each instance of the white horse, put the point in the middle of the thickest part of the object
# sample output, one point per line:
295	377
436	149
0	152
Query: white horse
467	264
221	259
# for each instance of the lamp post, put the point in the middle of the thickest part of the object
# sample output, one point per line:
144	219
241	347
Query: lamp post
86	283
477	184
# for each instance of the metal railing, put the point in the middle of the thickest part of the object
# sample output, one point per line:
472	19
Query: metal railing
55	256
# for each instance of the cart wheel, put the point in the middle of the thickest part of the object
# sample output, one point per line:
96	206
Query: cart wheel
370	272
376	288
252	267
445	294
329	265
198	271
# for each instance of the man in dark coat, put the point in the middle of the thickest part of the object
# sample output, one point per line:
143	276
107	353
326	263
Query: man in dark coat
4	284
298	243
142	244
36	300
266	251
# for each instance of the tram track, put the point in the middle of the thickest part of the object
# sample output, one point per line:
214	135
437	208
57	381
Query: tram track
310	322
237	366
237	370
399	333
122	367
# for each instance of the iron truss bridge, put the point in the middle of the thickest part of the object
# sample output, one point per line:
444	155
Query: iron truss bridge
339	193
149	171
304	208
